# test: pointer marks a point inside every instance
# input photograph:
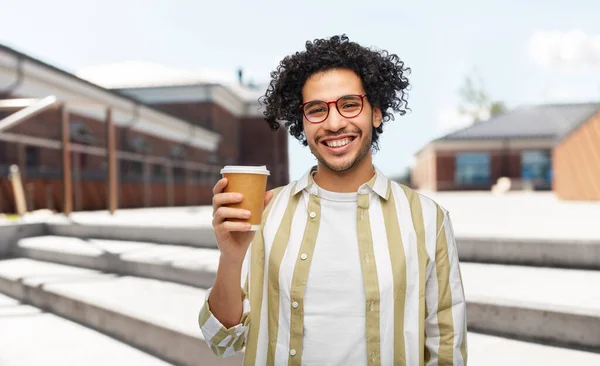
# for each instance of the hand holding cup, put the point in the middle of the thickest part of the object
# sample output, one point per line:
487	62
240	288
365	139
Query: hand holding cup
238	202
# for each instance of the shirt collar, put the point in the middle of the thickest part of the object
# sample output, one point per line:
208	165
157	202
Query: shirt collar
380	184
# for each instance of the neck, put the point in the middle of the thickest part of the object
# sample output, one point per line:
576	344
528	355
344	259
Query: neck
348	181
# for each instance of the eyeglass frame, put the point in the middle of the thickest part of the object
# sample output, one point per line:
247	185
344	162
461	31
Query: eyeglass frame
362	106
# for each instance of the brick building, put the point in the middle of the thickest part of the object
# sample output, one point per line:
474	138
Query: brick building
554	146
171	139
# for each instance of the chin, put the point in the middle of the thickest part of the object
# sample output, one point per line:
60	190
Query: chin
339	167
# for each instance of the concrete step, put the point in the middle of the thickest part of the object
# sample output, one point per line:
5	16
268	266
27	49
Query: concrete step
158	317
174	225
543	304
161	318
553	305
564	253
32	336
581	253
486	350
185	265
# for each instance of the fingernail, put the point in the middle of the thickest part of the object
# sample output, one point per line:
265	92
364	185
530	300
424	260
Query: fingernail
247	213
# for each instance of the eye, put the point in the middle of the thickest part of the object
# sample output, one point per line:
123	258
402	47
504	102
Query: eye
316	110
350	105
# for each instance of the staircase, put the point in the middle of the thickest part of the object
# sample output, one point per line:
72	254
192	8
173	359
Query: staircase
144	292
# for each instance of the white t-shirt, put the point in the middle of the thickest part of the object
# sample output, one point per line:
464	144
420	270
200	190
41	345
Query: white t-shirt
335	287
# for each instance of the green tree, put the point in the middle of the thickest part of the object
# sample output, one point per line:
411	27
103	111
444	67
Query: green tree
475	100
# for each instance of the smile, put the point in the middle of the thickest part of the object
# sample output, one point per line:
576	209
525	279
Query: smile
338	143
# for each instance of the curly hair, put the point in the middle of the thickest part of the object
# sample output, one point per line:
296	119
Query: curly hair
383	76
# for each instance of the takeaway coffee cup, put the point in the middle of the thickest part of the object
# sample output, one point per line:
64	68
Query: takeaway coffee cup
250	181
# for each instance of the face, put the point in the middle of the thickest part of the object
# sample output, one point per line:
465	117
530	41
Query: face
339	143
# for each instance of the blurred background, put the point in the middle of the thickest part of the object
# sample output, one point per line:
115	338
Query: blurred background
116	117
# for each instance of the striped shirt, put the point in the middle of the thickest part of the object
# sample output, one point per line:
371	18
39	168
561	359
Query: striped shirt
411	296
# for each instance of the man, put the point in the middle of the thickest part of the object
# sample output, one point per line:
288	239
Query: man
349	267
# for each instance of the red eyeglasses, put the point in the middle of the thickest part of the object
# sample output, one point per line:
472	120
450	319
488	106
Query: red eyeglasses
349	106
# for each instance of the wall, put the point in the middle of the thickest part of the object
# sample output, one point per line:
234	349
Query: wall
262	146
576	163
244	141
215	118
424	171
435	170
502	164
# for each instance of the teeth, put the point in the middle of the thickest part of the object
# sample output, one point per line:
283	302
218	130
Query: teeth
338	143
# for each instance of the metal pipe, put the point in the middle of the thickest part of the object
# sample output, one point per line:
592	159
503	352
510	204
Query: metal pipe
20	76
112	161
66	155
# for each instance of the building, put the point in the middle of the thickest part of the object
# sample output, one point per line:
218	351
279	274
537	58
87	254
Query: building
172	137
542	147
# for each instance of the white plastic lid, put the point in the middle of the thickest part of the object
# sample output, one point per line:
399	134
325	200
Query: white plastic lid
247	169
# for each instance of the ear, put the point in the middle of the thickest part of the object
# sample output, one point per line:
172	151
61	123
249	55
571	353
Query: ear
377	117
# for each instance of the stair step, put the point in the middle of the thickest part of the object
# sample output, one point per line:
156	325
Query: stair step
58	341
180	264
174	225
543	304
158	317
161	317
486	350
563	252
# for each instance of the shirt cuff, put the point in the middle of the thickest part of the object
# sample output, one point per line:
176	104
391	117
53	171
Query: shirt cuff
214	332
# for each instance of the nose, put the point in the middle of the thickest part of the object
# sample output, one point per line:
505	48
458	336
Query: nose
335	121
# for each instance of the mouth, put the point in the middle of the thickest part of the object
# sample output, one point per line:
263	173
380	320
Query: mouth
339	144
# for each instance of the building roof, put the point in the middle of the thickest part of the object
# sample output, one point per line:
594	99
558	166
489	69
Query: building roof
553	121
138	74
35	78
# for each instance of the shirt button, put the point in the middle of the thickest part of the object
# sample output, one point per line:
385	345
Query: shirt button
303	256
295	305
313	215
292	352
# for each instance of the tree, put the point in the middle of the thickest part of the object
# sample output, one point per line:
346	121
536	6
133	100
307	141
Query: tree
476	102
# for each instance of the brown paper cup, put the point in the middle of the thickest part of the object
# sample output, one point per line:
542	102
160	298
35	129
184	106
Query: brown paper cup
251	182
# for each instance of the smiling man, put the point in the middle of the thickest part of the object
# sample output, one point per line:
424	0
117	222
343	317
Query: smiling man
349	267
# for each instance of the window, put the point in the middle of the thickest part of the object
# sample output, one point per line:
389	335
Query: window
213	158
139	144
472	168
158	171
132	169
3	153
32	156
536	165
81	133
179	174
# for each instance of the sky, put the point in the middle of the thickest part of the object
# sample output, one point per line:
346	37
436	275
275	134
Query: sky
524	52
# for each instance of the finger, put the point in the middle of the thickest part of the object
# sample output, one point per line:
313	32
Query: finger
235	226
220	186
268	197
224	213
222	199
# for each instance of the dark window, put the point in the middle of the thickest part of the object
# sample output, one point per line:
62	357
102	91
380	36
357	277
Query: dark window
3	153
179	173
158	171
131	169
472	168
536	165
32	156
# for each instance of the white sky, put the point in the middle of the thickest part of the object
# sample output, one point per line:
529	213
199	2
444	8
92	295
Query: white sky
526	52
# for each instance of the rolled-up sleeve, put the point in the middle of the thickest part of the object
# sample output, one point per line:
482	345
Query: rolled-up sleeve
223	341
446	322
